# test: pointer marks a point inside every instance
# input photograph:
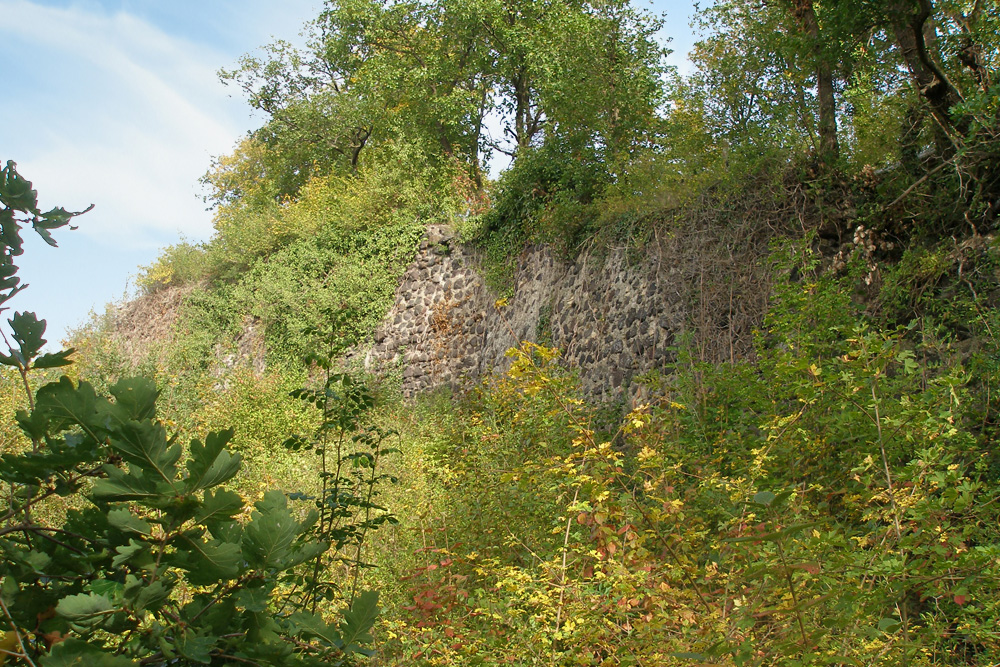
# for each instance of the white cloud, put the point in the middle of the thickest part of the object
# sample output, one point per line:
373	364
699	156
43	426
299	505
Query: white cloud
117	113
122	109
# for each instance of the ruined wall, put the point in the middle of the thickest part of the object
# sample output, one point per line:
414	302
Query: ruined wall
612	318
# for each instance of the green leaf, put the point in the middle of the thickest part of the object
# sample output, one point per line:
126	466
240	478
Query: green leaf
136	553
34	425
77	653
137	396
781	498
16	191
85	609
54	219
42	231
763	498
210	465
144	444
273	500
254	599
228	531
313	625
358	620
209	562
304	553
38	561
889	625
124	486
196	649
55	359
222	506
124	520
64	404
146	597
27	331
10	236
268	538
108	588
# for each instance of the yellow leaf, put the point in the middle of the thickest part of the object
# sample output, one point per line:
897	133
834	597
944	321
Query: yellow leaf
8	645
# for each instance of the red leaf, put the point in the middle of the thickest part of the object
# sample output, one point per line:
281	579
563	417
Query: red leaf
960	600
811	568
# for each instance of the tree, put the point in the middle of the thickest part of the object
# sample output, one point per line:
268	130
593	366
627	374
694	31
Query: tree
373	71
946	48
829	147
750	80
600	76
315	122
820	48
434	73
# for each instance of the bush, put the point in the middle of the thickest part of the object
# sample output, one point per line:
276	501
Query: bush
267	415
179	264
297	292
394	186
829	502
544	196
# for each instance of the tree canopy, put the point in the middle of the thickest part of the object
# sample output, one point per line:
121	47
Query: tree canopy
462	79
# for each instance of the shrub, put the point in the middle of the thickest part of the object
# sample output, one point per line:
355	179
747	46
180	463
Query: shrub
543	197
395	185
178	264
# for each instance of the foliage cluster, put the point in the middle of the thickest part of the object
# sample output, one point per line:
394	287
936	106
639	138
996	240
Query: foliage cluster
577	83
832	502
149	558
276	275
435	74
886	113
828	496
393	188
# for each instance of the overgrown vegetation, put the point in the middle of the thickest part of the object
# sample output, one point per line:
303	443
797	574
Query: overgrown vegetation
830	502
116	554
812	481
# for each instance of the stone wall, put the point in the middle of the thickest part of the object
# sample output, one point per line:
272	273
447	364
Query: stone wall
612	318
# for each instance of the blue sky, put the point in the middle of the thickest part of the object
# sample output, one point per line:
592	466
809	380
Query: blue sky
117	103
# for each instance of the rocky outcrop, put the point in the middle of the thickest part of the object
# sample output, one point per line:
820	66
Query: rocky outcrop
142	328
613	317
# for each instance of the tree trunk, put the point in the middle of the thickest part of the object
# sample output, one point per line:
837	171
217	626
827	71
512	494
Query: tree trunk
908	19
522	113
829	146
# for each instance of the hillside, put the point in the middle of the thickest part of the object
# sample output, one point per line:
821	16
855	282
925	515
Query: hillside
707	376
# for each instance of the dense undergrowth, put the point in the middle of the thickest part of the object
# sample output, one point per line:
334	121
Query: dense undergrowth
812	481
831	502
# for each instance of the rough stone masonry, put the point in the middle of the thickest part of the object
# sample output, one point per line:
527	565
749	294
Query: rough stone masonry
612	319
